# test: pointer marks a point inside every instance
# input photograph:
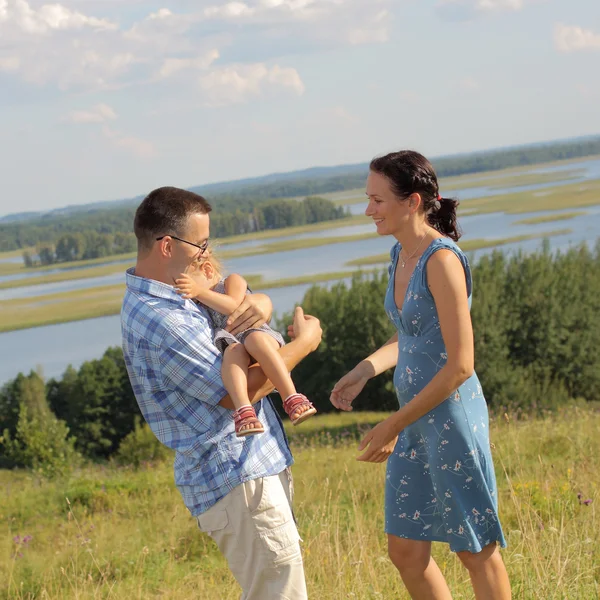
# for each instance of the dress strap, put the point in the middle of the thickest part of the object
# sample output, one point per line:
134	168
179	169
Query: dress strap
394	252
444	243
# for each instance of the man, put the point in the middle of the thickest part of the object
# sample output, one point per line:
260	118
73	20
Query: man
239	489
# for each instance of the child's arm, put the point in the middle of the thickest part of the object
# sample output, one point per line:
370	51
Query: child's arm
235	290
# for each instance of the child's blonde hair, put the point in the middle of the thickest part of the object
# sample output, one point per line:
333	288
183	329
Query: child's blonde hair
209	256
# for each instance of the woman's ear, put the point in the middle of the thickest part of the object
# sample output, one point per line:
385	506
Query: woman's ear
415	201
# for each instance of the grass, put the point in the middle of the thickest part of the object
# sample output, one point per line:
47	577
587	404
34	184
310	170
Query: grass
12	268
506	178
73	264
126	534
118	267
76	305
577	195
560	197
71	275
551	218
466	246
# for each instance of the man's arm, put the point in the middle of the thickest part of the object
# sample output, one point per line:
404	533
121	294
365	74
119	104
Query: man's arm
307	337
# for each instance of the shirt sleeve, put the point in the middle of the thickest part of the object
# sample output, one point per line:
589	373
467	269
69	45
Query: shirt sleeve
190	364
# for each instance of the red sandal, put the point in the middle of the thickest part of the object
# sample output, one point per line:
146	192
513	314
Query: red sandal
244	415
292	403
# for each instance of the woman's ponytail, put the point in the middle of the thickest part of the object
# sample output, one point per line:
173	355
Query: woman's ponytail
442	217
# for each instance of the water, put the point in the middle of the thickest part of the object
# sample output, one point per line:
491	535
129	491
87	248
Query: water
54	347
12	260
308	261
589	170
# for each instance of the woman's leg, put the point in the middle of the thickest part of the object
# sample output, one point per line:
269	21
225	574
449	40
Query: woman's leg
265	350
234	372
488	573
419	571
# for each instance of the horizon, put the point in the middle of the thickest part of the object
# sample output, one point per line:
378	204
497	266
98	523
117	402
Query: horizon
253	178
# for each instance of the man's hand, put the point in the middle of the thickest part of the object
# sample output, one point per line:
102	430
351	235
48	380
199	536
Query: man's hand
306	328
254	311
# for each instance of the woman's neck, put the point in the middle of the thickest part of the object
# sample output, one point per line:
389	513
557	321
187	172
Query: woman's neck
414	239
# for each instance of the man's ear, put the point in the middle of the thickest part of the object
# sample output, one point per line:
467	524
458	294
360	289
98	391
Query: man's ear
166	246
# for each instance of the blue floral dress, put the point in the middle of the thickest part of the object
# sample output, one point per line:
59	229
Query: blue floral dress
440	481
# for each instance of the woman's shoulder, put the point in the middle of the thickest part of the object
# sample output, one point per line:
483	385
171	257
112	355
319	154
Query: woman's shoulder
437	247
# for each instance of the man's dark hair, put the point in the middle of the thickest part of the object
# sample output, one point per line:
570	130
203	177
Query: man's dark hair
165	211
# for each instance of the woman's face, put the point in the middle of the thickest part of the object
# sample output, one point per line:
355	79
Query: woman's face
389	213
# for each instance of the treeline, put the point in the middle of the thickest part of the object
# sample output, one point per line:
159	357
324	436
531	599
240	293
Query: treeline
537	334
106	233
537	347
237	201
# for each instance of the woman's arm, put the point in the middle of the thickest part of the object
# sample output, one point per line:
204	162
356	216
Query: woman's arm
448	286
235	291
351	384
381	360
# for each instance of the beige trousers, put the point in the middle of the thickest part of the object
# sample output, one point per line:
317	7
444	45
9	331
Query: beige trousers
255	530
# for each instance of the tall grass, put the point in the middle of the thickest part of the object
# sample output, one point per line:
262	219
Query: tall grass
113	532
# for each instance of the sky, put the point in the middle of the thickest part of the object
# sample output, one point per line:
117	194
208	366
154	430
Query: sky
108	99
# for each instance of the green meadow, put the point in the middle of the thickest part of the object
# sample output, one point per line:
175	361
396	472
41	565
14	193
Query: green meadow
115	532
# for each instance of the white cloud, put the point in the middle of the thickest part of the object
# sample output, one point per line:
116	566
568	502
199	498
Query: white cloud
58	45
469	84
20	15
570	38
97	114
468	9
171	66
9	63
239	83
136	146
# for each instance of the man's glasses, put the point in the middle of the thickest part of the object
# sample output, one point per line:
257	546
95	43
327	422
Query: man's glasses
202	247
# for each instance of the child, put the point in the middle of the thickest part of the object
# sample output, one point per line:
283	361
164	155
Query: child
221	296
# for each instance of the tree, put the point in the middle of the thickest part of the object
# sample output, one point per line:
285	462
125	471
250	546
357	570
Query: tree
37	440
70	246
46	254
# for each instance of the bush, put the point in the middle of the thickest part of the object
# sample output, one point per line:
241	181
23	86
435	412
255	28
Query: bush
141	446
42	445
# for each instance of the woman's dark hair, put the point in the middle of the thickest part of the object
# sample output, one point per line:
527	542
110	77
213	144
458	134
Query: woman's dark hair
165	211
411	173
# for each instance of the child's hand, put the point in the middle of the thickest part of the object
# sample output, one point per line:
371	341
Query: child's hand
187	287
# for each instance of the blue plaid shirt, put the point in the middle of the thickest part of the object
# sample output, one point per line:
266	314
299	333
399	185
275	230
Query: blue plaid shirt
175	372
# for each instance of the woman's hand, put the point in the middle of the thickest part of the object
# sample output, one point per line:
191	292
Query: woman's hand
348	387
380	441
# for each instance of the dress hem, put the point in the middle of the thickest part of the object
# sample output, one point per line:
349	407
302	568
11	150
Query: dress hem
432	538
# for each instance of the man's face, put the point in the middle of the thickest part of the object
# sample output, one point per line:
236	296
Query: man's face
184	256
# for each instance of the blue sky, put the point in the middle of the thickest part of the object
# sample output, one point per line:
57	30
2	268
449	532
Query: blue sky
105	99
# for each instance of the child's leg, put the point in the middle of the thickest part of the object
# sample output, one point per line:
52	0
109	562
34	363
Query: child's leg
265	350
234	372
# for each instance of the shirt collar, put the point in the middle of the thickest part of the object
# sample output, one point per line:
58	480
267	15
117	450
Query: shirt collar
152	287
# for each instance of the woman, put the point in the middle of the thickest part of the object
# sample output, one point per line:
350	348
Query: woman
440	483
